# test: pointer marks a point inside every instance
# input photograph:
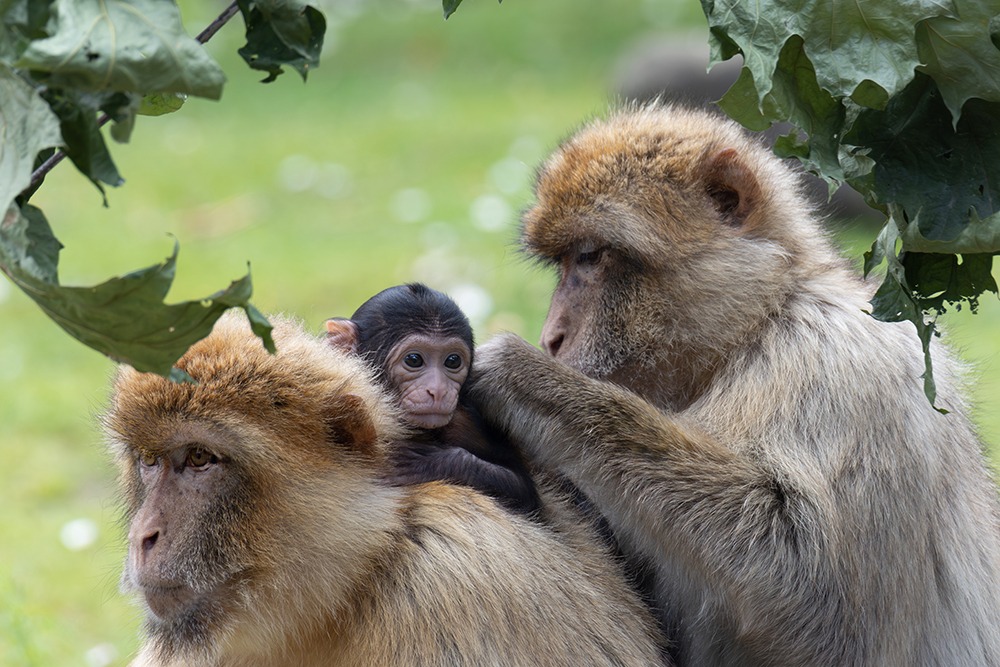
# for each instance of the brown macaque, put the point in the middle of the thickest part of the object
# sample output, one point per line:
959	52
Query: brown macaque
421	345
261	531
713	385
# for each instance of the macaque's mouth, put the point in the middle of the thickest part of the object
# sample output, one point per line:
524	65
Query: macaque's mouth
167	601
428	419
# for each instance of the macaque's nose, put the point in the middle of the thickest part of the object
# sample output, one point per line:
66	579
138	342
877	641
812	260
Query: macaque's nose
149	541
437	386
146	532
552	338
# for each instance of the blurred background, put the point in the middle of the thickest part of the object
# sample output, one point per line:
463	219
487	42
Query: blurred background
406	156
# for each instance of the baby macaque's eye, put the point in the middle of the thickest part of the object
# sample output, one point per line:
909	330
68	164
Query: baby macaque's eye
453	361
413	360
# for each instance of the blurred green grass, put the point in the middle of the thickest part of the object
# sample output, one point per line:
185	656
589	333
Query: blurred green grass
406	156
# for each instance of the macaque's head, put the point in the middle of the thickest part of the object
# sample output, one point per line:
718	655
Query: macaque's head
421	344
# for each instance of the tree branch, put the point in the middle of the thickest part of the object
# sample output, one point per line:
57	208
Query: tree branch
38	176
213	27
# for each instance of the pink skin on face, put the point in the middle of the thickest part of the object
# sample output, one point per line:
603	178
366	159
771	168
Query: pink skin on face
428	371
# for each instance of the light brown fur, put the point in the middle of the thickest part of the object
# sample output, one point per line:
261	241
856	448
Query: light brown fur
738	419
307	558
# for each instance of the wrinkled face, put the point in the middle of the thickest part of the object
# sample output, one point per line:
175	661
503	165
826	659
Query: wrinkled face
428	371
597	322
186	539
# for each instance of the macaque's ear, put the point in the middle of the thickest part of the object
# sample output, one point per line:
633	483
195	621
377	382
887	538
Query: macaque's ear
348	423
733	187
342	334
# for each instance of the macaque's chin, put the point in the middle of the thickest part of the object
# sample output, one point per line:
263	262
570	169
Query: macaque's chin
428	419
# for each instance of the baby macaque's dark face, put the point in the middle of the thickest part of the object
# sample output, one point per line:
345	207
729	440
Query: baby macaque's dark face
428	371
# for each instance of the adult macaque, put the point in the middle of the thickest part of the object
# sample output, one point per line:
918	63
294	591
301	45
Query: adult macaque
716	389
261	531
420	343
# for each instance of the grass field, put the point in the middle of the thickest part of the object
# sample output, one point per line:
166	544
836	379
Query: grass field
406	156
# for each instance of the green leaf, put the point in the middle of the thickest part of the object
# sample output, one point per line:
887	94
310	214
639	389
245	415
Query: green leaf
123	45
450	6
124	318
802	102
83	142
122	108
895	302
848	42
959	55
742	103
981	235
27	126
937	175
20	22
282	32
27	245
159	104
795	97
940	280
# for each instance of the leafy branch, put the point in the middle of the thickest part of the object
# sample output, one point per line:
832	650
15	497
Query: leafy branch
901	101
39	174
67	68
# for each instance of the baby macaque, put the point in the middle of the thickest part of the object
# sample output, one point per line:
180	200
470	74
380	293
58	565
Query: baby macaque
420	343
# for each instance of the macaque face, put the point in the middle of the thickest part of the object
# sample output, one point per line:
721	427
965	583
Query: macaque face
187	526
428	371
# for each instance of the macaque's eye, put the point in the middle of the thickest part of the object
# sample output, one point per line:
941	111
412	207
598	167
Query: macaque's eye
199	458
413	360
147	459
453	361
590	257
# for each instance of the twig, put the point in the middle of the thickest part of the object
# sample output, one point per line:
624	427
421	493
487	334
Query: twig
213	27
39	174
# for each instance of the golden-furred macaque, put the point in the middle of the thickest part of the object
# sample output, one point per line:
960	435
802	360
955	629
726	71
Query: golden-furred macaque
261	530
713	384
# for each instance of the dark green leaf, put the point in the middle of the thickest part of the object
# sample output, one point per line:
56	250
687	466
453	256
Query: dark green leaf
742	103
871	95
883	247
20	22
124	318
41	247
959	55
894	301
940	280
848	42
123	45
796	96
939	176
27	245
792	144
122	109
450	6
27	126
83	141
981	235
282	32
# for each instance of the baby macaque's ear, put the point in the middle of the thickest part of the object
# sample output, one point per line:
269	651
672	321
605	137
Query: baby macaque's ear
342	334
